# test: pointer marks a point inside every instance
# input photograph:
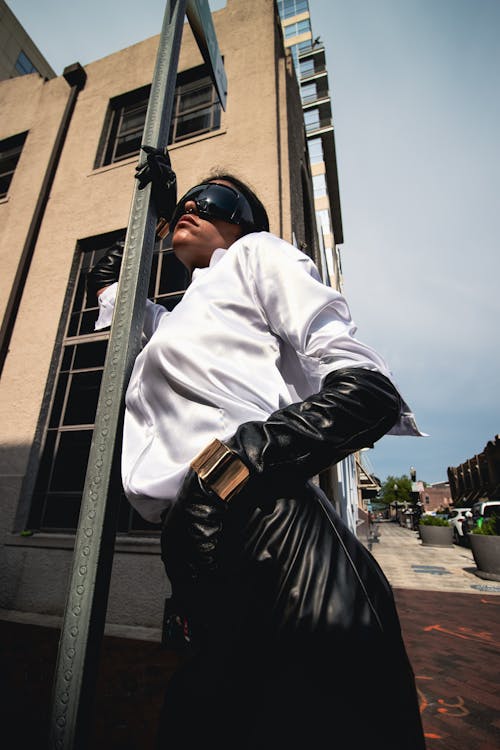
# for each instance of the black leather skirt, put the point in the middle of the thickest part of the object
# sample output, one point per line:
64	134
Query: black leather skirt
295	635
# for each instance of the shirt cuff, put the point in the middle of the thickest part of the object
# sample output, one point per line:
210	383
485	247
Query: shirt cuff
406	424
106	302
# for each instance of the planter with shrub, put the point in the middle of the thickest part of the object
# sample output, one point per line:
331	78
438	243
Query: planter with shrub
435	531
485	545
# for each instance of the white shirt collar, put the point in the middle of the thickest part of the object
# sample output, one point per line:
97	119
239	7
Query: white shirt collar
216	257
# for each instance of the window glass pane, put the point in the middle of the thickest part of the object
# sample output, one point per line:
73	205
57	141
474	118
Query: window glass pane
80	298
87	322
193	123
90	355
67	357
74	324
55	415
43	477
290	8
10	151
5	181
10	159
308	92
128	145
323	219
315	148
491	510
306	67
196	98
152	277
319	185
311	119
173	275
61	511
24	65
133	118
82	398
71	460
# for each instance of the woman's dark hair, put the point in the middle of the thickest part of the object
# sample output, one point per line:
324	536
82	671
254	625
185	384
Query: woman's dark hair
260	217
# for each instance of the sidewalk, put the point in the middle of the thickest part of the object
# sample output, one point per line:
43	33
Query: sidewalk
408	564
450	621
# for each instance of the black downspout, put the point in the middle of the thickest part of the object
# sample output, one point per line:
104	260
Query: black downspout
75	76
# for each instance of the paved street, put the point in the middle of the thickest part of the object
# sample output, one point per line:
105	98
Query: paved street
450	621
450	627
409	564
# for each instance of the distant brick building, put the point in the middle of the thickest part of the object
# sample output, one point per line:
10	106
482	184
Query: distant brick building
436	496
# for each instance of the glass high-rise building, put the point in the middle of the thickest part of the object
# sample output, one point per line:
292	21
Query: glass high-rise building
342	481
308	55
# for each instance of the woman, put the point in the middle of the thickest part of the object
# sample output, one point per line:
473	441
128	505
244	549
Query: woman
248	389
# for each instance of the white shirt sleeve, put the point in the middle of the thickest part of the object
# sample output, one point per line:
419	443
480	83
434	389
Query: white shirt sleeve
310	316
313	318
152	314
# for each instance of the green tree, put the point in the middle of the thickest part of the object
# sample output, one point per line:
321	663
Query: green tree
396	489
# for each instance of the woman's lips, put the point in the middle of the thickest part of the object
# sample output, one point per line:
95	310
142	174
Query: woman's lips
188	219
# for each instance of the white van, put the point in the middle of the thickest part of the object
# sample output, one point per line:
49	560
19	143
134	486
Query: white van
485	509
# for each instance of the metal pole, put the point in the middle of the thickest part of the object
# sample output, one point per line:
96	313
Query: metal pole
83	626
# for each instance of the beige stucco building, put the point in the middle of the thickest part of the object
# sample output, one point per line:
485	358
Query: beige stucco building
52	231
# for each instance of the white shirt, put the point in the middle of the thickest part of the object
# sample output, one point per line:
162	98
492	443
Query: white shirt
255	331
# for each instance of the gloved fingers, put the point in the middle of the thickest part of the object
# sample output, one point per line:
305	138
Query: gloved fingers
150	170
202	514
158	171
143	175
107	270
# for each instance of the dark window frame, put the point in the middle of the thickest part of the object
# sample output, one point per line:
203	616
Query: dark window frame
126	115
23	64
69	422
10	153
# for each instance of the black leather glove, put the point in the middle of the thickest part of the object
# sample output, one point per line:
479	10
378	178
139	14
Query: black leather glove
354	408
204	513
107	270
158	171
190	544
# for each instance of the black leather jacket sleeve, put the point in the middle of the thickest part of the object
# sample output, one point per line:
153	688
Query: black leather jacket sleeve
107	270
354	408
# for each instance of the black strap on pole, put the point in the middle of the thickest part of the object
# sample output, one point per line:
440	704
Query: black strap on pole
83	626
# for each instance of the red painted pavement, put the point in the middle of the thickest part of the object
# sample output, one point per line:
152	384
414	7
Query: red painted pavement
453	643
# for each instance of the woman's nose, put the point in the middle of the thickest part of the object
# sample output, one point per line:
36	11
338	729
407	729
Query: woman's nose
190	207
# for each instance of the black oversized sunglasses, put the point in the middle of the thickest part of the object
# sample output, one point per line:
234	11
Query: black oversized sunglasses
214	201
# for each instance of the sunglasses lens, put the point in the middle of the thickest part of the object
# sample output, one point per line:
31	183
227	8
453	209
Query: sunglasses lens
191	195
215	201
218	202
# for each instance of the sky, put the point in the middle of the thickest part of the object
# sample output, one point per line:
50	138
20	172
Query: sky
416	110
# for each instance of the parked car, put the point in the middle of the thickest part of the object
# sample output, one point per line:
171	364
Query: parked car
458	520
484	509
